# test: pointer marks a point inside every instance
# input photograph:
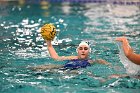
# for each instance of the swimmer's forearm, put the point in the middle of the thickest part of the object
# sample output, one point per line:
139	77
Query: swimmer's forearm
126	47
135	58
51	50
128	51
101	61
55	56
131	55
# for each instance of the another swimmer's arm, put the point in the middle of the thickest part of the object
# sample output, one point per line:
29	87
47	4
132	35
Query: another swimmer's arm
135	58
130	54
125	44
54	55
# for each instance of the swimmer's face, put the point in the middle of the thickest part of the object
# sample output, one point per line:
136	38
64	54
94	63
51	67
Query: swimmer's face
83	52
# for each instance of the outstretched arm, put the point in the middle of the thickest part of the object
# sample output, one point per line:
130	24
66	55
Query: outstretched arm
100	61
135	58
54	55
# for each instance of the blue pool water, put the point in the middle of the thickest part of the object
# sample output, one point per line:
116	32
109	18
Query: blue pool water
22	46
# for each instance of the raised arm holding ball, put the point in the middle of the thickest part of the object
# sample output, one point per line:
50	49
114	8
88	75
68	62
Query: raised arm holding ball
81	60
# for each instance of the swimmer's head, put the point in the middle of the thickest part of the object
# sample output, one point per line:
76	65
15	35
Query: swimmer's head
83	50
83	43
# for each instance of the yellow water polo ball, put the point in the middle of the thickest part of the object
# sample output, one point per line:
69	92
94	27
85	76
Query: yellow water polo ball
48	31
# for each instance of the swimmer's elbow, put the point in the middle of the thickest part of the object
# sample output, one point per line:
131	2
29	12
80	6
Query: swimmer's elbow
55	57
58	58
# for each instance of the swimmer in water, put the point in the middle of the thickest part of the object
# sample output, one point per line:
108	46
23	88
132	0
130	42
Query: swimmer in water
73	62
128	51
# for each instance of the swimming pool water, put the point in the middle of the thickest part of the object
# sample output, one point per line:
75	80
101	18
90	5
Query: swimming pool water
21	46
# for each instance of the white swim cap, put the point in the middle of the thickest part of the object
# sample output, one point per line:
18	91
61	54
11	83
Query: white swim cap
84	43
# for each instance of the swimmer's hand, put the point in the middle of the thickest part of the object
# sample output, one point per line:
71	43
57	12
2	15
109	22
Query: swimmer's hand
121	39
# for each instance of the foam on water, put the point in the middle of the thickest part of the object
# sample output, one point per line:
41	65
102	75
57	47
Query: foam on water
130	67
